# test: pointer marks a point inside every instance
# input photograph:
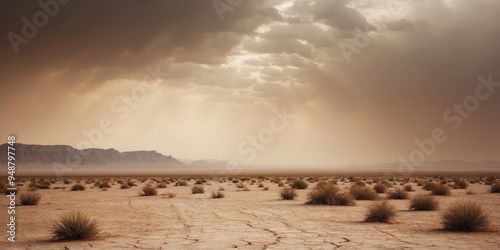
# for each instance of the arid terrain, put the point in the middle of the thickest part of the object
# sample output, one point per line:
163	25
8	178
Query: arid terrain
255	217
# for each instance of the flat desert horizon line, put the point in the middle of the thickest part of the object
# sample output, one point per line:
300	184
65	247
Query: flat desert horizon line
64	160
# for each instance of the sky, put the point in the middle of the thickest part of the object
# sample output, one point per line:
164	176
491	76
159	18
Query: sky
316	82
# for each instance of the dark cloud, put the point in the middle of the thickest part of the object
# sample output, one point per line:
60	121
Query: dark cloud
415	65
94	41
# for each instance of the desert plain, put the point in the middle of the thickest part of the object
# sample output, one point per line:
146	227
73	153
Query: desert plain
251	215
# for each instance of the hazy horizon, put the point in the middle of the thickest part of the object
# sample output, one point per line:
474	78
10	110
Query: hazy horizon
263	82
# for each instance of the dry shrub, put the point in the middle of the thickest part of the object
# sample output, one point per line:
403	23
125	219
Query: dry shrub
380	211
78	187
124	186
460	184
299	184
104	185
43	185
423	202
441	190
429	185
149	190
29	198
181	183
75	226
217	195
495	188
408	188
162	185
398	194
380	188
465	216
363	193
288	193
198	189
328	194
171	194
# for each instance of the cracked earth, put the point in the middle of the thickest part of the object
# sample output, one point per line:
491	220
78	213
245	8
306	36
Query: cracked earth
255	219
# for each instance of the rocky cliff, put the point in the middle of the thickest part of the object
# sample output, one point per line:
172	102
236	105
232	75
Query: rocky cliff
50	154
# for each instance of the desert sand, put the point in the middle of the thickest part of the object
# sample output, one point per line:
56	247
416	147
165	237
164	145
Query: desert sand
255	219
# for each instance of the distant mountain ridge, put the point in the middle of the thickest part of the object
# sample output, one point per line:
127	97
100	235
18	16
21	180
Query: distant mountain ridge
64	154
50	158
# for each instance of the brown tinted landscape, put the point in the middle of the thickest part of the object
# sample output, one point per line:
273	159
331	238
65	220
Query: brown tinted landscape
250	124
252	213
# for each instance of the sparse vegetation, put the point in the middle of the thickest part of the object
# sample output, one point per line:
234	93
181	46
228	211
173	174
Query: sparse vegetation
198	189
104	185
398	194
380	211
181	183
299	184
78	187
288	193
29	198
124	186
460	184
465	216
423	202
363	193
75	226
149	190
408	188
495	188
429	186
162	185
218	195
441	190
43	185
328	194
380	188
171	194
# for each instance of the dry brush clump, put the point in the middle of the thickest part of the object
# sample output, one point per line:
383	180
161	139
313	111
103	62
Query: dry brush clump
328	194
460	184
495	188
299	184
149	190
43	185
29	198
398	194
465	216
124	186
198	189
218	195
75	226
429	185
380	188
78	187
104	185
171	194
288	193
423	202
408	188
181	183
441	190
363	193
380	211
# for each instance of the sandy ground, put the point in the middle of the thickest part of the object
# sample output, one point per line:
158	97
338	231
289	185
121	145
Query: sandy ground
255	219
